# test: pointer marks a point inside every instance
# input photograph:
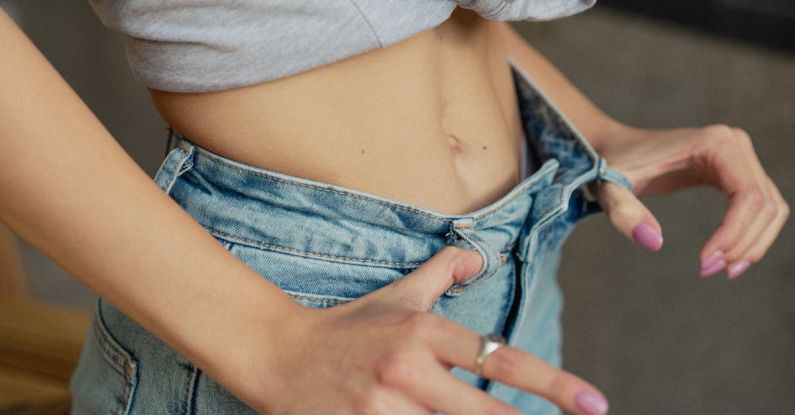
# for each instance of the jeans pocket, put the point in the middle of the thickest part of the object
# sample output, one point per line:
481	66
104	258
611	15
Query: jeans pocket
317	300
106	375
314	280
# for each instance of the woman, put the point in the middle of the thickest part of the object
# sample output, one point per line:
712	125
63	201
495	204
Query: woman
343	186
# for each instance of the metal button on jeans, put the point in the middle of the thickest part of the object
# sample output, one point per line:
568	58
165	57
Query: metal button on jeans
456	290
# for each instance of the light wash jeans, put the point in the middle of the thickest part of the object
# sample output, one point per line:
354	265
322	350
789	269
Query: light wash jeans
326	245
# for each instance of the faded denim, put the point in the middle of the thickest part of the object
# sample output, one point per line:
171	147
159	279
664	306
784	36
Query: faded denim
326	245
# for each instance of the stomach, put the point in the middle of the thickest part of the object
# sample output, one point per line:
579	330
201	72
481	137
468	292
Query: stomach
431	121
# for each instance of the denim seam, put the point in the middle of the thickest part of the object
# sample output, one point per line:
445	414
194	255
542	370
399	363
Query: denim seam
317	298
549	217
228	240
265	175
265	245
182	165
108	346
312	186
191	386
526	80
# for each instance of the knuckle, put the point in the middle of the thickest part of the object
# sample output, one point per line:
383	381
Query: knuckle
397	369
768	209
720	130
724	134
756	197
451	250
560	383
417	325
369	402
505	362
741	133
623	211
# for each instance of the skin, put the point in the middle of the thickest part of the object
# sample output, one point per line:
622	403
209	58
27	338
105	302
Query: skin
383	353
409	104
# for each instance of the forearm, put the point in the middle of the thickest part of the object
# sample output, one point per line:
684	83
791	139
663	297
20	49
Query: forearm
592	122
71	191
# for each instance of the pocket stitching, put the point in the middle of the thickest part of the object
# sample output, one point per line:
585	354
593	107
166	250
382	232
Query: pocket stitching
319	298
315	255
112	350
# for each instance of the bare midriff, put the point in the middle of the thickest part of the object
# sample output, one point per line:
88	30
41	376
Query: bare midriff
430	121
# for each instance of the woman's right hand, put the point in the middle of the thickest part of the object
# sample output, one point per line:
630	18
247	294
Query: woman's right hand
384	353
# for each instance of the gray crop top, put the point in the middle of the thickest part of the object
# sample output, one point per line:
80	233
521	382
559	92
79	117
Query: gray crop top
209	45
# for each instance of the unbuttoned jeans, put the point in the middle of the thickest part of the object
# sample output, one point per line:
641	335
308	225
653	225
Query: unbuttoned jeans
326	245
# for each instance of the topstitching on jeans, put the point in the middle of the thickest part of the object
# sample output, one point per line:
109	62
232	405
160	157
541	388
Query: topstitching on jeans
480	214
266	245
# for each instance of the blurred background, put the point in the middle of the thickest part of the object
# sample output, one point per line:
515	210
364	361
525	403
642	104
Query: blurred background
644	327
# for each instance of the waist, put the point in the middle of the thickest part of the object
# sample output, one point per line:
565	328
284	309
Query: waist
250	206
433	123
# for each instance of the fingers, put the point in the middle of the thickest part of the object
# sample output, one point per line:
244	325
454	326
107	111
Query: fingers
756	211
758	249
420	288
742	211
455	344
629	215
433	386
771	214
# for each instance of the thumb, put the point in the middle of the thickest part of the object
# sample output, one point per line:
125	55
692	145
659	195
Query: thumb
629	215
420	288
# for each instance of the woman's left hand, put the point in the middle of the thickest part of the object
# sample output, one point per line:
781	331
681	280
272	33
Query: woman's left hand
661	161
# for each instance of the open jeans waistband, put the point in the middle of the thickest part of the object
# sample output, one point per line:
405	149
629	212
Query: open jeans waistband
272	210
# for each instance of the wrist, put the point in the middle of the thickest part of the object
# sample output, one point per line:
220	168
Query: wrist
272	332
241	343
611	135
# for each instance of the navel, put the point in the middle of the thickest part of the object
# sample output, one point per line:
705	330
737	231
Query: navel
455	144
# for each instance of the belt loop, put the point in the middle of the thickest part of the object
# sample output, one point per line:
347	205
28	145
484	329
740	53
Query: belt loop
609	174
178	160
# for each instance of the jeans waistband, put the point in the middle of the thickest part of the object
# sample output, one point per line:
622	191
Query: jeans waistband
272	210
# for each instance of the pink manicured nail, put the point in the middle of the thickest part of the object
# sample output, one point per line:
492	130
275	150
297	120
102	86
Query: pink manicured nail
647	236
715	267
712	259
738	268
590	403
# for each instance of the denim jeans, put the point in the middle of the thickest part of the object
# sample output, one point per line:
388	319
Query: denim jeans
326	245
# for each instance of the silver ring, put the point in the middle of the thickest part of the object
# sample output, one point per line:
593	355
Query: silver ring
488	344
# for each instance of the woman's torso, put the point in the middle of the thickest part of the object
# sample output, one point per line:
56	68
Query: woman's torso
431	121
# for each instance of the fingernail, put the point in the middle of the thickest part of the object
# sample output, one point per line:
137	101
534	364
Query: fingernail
715	267
647	236
590	403
712	259
738	268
